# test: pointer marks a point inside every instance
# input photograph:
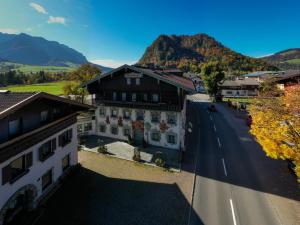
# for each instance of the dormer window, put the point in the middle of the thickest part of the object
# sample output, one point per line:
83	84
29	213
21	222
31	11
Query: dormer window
44	116
14	127
124	96
155	97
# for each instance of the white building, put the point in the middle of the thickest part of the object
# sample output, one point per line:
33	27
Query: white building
247	87
38	145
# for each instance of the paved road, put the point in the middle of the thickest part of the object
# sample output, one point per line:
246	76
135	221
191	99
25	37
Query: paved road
227	190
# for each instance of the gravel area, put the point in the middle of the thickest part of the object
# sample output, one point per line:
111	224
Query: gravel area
112	191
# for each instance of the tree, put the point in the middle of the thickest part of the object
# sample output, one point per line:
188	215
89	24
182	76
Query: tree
212	75
77	78
276	125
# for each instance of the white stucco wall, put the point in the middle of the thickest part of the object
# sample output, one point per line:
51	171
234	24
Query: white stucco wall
176	128
234	93
39	168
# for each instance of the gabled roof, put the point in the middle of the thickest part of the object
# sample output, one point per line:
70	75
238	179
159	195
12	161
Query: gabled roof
178	81
238	83
12	101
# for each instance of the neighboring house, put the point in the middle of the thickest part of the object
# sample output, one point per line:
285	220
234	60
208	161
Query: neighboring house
262	76
239	88
287	80
38	144
147	105
86	123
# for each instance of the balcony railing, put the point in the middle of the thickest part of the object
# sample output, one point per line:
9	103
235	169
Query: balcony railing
14	146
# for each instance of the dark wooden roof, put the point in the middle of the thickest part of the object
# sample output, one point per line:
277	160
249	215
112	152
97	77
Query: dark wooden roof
11	101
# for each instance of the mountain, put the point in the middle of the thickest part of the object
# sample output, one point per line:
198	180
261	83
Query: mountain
29	50
287	59
189	52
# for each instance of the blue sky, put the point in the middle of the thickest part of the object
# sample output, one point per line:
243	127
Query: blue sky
116	32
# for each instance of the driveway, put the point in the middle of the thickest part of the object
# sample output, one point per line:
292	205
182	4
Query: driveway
111	191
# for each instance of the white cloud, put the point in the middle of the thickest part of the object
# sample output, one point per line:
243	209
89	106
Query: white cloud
38	8
112	63
262	56
9	31
53	19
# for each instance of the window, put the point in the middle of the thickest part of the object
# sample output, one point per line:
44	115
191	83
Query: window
124	97
66	162
139	115
17	168
127	131
102	112
133	97
44	116
155	117
145	97
114	112
14	127
155	136
171	118
155	98
79	128
46	179
127	114
229	92
87	127
114	130
47	149
102	128
128	80
171	138
115	96
65	138
137	81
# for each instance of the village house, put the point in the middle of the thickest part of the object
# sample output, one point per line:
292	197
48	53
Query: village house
239	87
38	145
262	76
147	105
287	80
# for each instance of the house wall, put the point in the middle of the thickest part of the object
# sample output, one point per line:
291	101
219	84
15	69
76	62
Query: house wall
39	168
173	129
237	93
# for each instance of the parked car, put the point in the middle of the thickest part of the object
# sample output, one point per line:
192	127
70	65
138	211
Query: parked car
212	108
291	166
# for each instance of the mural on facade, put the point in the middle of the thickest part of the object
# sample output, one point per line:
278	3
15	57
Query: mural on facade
138	124
120	121
107	120
163	126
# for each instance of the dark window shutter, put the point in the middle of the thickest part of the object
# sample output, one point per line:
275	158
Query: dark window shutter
53	144
71	134
60	137
40	154
6	174
29	160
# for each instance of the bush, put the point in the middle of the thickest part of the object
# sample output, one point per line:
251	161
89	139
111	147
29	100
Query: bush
102	149
130	141
137	155
160	162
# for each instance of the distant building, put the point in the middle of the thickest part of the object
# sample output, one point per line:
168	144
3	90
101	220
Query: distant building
239	88
262	76
38	145
145	104
287	80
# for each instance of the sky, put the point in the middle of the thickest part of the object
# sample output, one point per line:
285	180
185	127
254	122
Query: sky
112	33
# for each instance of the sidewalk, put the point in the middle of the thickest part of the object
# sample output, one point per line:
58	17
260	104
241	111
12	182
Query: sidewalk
273	174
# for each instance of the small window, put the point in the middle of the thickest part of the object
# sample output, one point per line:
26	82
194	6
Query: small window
128	81
124	96
133	97
102	128
47	149
155	117
155	98
79	128
46	179
65	138
114	130
155	136
114	112
66	162
87	127
44	116
171	139
127	131
139	115
137	81
115	96
145	97
102	111
171	118
126	114
14	127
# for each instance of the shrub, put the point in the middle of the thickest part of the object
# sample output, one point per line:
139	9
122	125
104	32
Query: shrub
102	149
137	155
160	162
130	141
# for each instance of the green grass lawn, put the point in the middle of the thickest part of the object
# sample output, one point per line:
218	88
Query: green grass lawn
241	99
50	69
293	61
55	88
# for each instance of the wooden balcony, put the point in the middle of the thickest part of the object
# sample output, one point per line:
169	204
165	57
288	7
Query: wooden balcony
21	143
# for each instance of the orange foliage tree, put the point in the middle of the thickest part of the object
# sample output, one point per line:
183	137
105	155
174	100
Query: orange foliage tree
276	125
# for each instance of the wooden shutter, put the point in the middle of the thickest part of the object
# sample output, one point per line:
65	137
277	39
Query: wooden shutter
41	158
6	174
60	137
28	160
53	144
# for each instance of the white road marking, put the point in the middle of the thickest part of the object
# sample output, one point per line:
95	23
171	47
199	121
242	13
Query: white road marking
232	211
219	143
215	128
225	171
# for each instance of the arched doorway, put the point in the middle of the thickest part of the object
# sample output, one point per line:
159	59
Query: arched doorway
21	201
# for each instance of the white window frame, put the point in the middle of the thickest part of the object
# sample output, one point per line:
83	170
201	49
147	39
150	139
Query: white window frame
112	127
104	111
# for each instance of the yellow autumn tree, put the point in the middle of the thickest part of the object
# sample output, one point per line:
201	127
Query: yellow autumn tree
276	125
